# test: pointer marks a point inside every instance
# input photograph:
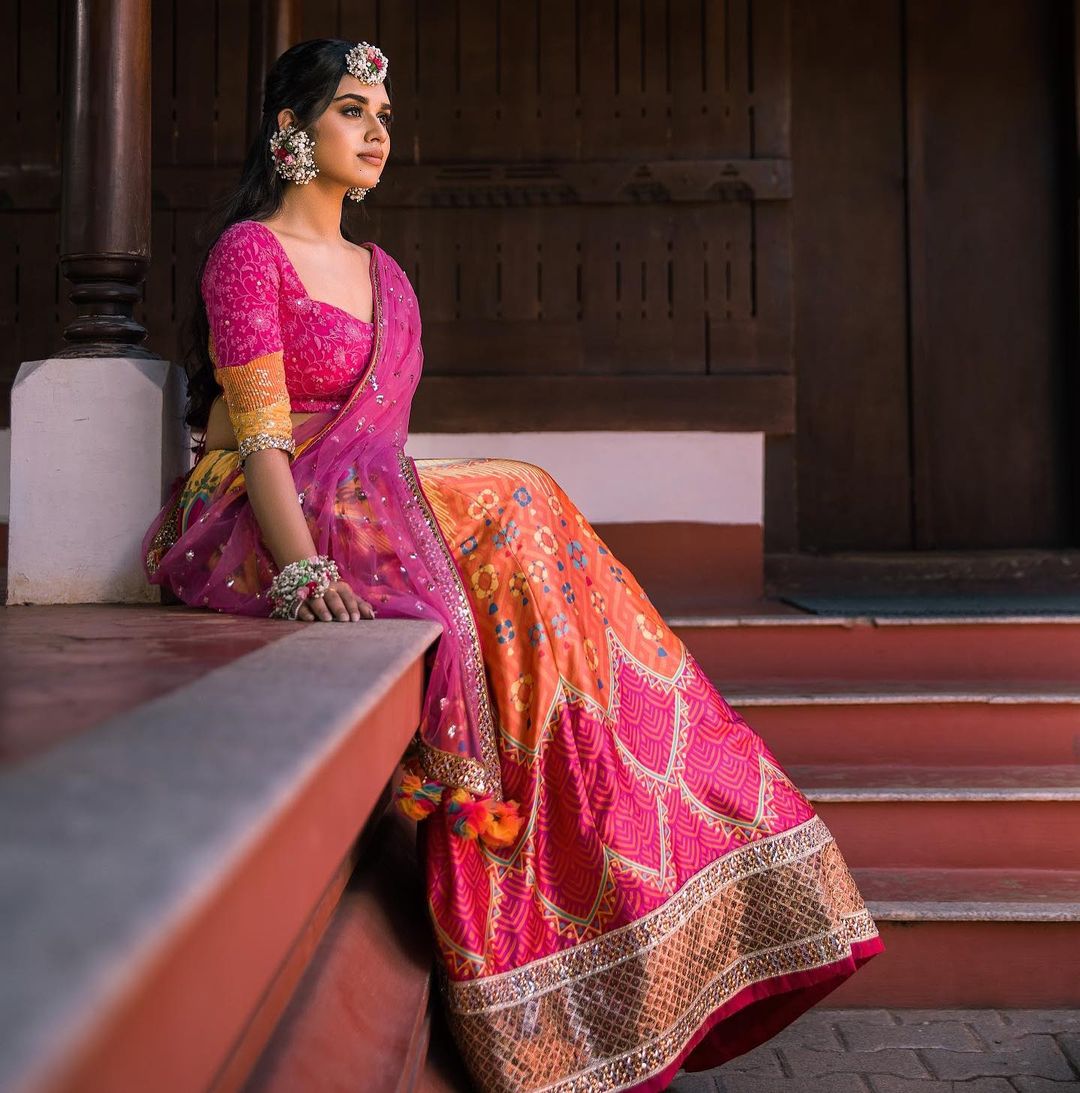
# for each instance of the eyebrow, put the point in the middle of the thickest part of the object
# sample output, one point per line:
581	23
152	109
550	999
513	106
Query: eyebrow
353	95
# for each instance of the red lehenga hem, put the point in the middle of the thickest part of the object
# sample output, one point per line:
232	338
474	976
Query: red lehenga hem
756	1014
745	946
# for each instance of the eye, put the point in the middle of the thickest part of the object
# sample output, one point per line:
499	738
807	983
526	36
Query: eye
386	117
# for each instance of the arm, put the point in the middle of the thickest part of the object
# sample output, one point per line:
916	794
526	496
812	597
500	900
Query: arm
241	289
272	493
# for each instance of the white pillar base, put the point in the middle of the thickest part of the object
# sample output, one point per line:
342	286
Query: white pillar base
95	441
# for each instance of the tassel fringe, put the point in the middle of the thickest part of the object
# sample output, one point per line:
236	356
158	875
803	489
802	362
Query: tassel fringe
494	823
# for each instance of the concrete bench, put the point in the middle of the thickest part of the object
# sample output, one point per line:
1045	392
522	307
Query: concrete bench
167	876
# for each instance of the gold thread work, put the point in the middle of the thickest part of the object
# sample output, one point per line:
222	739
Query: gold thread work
611	1012
258	403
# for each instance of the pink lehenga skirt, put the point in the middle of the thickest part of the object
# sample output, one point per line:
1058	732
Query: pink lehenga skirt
672	899
669	899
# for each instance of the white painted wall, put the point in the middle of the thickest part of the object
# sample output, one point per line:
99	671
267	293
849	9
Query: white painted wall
612	477
625	477
93	443
5	474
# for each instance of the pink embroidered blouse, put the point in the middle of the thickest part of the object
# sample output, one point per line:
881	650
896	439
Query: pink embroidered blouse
274	348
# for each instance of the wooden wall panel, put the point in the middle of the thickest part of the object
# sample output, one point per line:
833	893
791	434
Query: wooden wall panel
196	91
358	20
163	129
987	95
157	310
42	300
936	317
320	18
545	237
558	112
397	36
478	130
850	266
597	68
30	46
37	30
230	104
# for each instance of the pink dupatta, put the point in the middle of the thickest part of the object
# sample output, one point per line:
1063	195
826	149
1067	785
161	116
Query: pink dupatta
363	502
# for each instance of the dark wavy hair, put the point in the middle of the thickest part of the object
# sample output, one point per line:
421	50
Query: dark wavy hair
303	79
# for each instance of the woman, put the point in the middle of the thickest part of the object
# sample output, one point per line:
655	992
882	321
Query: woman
622	878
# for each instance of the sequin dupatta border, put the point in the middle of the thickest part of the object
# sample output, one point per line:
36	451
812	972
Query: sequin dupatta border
481	776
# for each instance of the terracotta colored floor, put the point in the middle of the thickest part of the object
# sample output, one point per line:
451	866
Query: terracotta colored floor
64	669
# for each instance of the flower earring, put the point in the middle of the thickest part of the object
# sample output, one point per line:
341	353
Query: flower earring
294	155
358	193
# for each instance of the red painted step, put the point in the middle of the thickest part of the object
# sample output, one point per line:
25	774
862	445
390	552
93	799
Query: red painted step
740	650
970	937
359	1018
1010	723
991	816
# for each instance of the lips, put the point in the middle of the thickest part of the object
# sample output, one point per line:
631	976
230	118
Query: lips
371	157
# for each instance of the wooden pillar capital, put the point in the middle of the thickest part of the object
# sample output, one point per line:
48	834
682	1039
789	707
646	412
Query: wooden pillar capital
105	211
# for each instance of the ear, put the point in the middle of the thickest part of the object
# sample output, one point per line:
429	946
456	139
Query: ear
284	117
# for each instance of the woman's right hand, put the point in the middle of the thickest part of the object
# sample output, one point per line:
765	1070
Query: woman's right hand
339	602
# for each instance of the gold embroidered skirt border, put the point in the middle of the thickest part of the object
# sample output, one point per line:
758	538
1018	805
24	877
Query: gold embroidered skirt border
611	1012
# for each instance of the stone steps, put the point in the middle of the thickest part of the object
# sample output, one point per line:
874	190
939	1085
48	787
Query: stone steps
778	648
969	723
944	755
169	871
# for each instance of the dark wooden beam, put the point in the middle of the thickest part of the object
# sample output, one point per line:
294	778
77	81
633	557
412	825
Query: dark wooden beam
462	404
434	185
105	182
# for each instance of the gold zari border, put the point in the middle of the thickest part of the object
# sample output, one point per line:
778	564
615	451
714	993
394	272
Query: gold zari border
481	775
608	1013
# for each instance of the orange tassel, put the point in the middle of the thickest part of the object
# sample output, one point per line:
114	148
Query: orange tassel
494	823
505	824
418	799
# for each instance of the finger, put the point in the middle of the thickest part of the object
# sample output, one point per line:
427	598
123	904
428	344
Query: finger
348	597
320	608
333	602
304	613
367	610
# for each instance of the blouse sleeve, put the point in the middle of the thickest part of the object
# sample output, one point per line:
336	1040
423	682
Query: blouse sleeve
241	286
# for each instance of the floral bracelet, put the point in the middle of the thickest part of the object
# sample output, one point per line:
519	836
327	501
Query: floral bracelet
299	581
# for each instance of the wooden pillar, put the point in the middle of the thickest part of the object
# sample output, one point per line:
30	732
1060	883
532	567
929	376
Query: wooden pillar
105	194
1075	50
274	26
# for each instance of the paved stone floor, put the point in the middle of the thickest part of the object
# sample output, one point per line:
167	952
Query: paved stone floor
907	1051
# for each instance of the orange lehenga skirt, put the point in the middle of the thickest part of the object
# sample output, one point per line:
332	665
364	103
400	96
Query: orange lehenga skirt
672	899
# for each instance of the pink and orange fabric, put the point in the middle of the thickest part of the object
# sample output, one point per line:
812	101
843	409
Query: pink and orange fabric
622	879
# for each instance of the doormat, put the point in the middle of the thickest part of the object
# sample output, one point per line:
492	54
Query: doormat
988	603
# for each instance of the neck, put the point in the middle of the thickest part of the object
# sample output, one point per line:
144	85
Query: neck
313	211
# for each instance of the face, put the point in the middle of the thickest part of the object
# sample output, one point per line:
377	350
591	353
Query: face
355	124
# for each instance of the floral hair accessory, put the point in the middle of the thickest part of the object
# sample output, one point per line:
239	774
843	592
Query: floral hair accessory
367	63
